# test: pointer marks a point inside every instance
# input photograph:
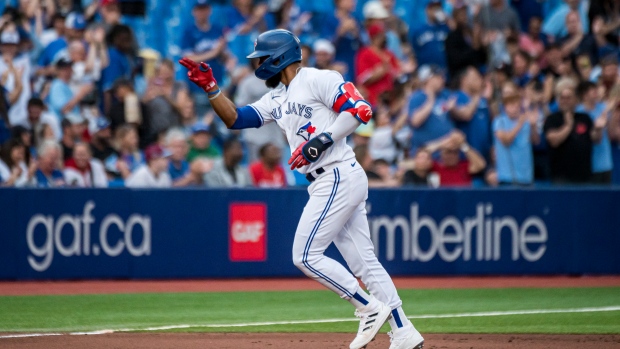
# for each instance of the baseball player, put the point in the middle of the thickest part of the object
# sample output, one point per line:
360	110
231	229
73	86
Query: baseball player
317	109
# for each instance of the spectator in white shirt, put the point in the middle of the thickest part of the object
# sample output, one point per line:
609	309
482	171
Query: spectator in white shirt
89	58
15	76
155	173
13	169
39	117
83	171
54	32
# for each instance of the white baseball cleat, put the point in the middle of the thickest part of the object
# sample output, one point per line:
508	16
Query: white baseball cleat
372	317
406	338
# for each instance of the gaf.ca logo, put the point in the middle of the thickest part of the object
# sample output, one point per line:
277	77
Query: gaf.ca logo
248	232
79	235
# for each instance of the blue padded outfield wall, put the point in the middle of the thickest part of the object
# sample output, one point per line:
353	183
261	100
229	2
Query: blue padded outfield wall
123	233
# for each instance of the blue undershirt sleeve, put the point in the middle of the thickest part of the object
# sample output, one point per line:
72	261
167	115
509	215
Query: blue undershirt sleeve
247	117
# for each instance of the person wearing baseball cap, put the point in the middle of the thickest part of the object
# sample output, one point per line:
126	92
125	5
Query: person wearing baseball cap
323	53
200	144
12	64
376	66
61	98
428	39
375	13
374	10
430	107
110	12
100	137
154	174
75	25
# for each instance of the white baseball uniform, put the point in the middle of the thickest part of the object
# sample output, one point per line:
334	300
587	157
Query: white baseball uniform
336	210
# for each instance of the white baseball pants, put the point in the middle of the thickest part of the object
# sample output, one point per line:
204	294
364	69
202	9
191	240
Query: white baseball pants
336	213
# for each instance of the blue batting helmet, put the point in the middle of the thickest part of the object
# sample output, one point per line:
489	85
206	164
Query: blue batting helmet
281	47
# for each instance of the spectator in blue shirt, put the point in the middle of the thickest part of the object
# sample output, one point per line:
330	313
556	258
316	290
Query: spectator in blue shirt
428	40
48	175
514	133
120	47
430	107
602	163
61	99
74	30
472	111
555	23
203	41
341	28
240	22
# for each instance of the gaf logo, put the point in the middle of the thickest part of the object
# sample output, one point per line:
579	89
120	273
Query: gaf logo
248	232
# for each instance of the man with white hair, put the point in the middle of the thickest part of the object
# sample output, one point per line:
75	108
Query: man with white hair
571	136
83	171
48	174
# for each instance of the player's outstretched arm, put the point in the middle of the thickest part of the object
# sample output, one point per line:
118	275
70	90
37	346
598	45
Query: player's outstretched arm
202	75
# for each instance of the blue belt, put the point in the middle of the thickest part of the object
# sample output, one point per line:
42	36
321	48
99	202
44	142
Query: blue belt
311	178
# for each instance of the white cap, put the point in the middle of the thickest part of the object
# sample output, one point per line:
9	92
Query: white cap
427	71
375	10
322	45
9	37
75	118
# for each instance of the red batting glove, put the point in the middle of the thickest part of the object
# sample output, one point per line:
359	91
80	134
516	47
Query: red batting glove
200	74
297	159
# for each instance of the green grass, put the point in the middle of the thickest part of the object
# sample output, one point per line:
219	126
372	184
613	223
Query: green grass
93	312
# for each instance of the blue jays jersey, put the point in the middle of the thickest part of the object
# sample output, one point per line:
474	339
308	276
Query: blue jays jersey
304	110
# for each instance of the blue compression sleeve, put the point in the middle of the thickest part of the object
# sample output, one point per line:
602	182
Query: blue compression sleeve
247	117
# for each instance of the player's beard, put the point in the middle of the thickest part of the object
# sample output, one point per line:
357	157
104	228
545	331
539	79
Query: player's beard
274	81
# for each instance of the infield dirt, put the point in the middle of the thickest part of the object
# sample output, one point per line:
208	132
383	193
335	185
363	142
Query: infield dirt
306	341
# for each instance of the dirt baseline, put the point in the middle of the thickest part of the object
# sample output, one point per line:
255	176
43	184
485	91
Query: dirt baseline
306	341
20	288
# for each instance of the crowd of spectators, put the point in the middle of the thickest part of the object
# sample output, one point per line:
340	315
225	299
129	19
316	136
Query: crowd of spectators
464	93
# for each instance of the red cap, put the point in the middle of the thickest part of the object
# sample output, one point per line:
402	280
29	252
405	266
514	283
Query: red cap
155	151
108	2
376	29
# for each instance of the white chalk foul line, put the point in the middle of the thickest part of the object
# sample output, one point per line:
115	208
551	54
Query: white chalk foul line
321	321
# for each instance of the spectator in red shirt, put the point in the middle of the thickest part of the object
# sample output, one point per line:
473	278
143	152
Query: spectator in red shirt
453	170
267	171
375	66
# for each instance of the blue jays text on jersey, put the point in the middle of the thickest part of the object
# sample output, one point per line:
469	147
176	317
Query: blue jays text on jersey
292	108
